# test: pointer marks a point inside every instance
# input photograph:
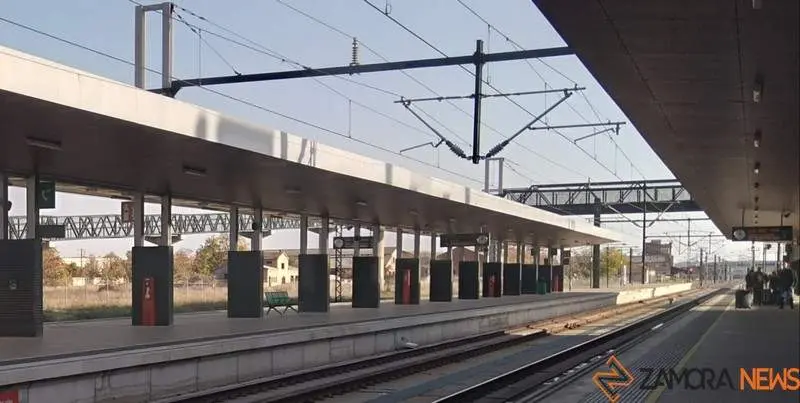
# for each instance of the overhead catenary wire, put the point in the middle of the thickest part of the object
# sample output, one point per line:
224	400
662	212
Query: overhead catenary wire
428	88
422	84
230	97
583	95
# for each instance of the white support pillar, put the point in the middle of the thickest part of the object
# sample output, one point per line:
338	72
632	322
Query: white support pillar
377	251
324	233
166	221
140	47
138	219
399	242
303	234
357	235
417	236
166	44
233	241
32	201
4	204
258	229
520	253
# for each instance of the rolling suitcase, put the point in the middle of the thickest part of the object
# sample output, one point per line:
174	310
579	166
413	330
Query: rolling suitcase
744	299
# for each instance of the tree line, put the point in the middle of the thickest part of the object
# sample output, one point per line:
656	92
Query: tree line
188	265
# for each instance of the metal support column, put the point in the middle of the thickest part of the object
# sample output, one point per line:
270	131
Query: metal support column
630	266
303	234
138	219
166	221
644	231
32	201
233	240
476	122
702	268
140	47
166	44
324	233
596	248
140	43
5	206
417	236
357	235
258	225
377	250
433	246
399	242
338	265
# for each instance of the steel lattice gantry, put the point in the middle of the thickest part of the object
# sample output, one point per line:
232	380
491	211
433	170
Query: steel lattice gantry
112	226
625	197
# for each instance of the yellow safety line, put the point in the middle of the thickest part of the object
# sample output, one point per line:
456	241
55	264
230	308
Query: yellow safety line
656	394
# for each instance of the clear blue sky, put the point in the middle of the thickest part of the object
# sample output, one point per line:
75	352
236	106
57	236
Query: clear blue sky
107	25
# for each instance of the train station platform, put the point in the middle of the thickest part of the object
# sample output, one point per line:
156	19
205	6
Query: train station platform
702	356
109	359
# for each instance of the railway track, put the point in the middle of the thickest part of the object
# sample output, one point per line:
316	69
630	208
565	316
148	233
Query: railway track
529	383
338	379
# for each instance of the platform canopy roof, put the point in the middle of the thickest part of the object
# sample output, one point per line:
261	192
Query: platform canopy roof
684	72
93	134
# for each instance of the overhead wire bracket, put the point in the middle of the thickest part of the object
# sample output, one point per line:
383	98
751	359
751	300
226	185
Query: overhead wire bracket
442	139
496	149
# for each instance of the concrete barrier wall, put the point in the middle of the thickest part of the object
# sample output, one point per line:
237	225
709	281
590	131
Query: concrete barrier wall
644	293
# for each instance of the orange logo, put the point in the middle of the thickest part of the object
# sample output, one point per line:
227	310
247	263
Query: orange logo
608	381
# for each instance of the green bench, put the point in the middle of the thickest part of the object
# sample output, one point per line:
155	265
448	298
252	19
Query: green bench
279	302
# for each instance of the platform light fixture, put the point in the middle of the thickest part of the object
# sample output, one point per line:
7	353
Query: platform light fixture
194	171
757	168
44	143
362	203
757	139
758	89
756	4
292	190
413	212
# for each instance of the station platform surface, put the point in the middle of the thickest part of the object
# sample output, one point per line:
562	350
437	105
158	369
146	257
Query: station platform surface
699	358
69	339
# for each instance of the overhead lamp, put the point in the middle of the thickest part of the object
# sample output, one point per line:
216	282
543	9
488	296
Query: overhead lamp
361	203
413	212
757	168
43	143
757	139
201	172
292	190
756	4
758	89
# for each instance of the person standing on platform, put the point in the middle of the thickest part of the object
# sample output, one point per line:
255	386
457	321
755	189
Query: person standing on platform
758	286
774	287
787	282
